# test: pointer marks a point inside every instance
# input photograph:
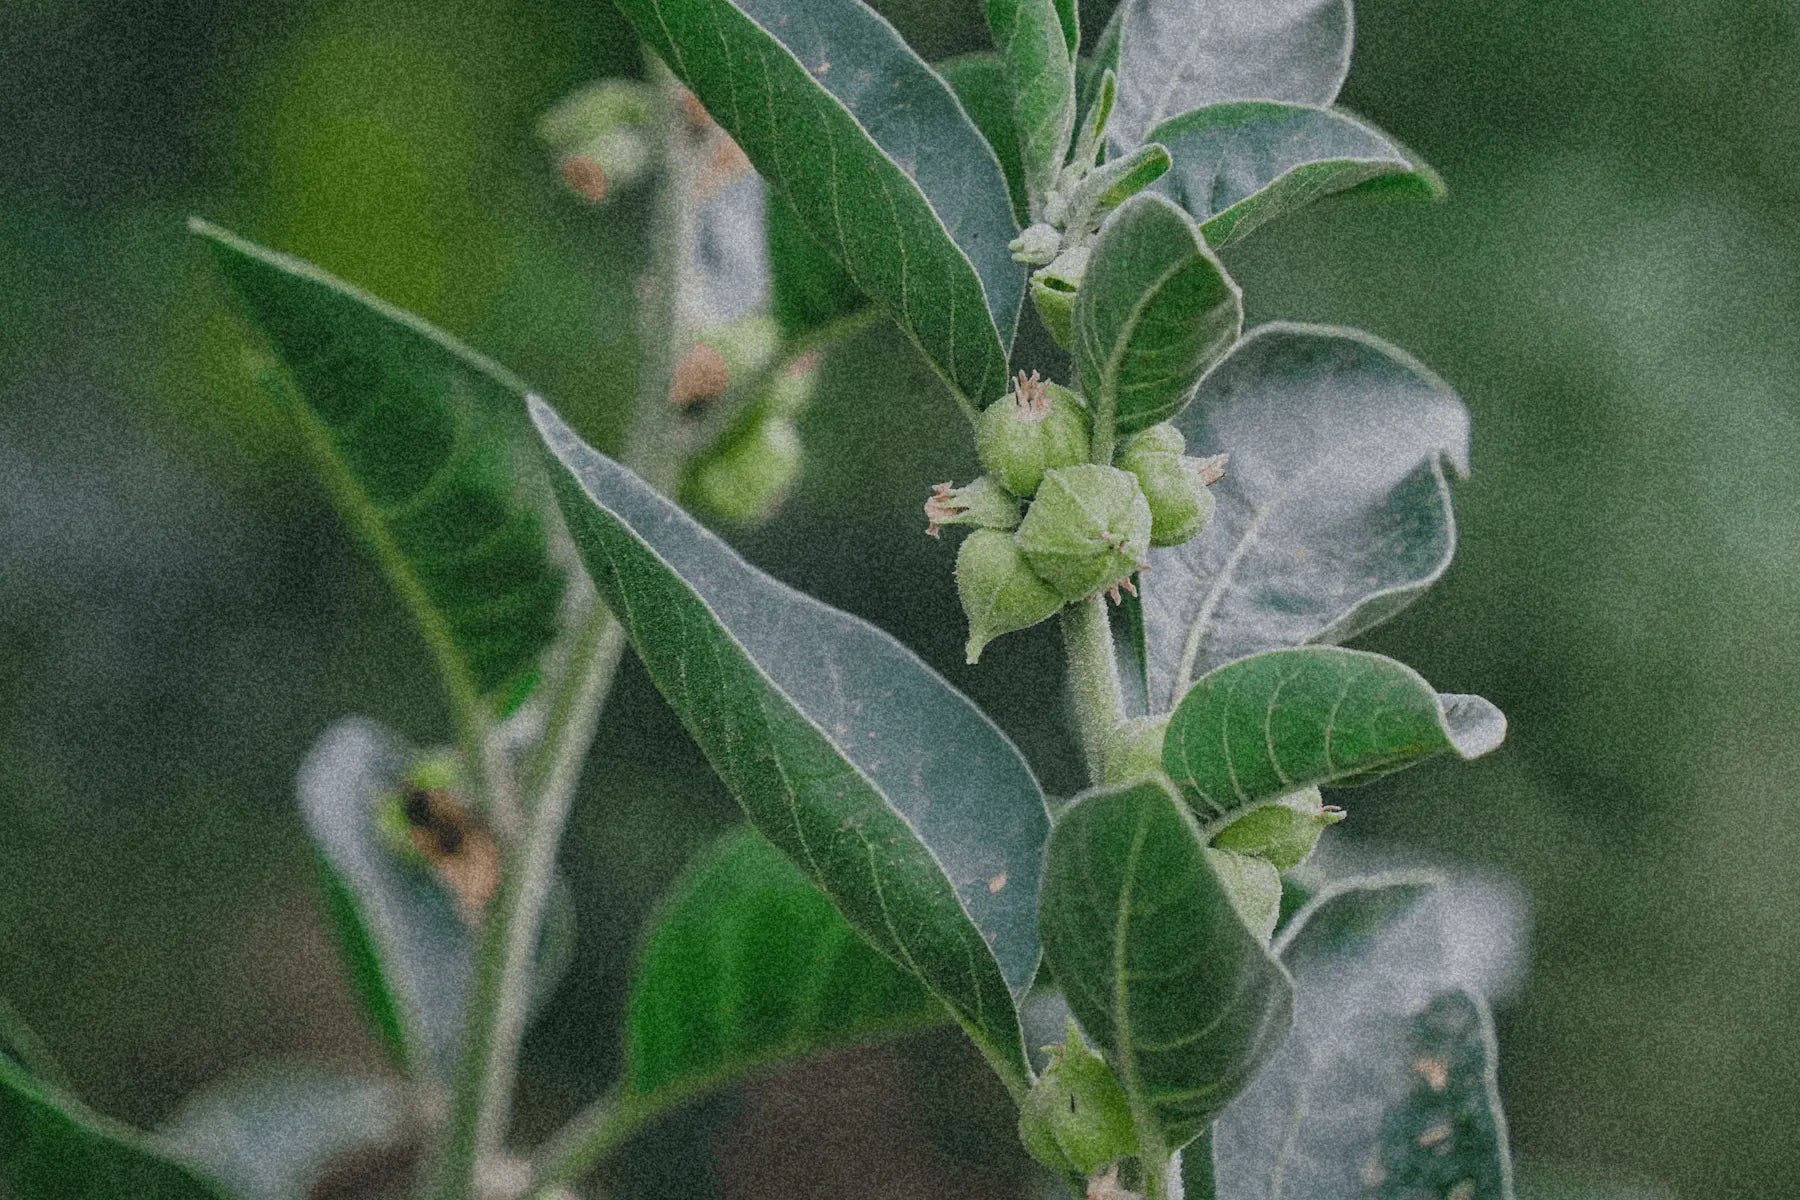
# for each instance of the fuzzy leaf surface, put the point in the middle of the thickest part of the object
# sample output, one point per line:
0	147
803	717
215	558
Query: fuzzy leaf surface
1040	72
1276	722
980	83
807	288
1386	1088
1245	163
421	441
53	1148
748	964
1154	960
274	1133
873	152
1155	310
1334	512
904	804
1177	55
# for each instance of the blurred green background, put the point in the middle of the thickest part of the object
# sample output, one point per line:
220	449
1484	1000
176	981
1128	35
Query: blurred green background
1614	285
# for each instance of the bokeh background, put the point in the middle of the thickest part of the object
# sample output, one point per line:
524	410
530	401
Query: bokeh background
1612	285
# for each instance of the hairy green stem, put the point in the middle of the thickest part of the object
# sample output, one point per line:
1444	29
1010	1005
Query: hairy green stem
507	949
1096	700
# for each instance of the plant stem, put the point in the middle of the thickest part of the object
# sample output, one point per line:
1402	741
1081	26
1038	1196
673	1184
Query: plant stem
508	943
1095	699
589	1137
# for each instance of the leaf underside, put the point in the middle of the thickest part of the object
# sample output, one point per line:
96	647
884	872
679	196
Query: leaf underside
275	1132
1282	720
1179	55
746	965
1155	961
410	955
1240	165
1386	1088
899	800
1334	512
874	154
420	438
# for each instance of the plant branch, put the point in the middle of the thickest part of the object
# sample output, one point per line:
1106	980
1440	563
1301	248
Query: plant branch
1096	700
508	944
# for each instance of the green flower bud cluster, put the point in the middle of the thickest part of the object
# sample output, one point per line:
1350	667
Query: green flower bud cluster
749	472
601	137
1076	1120
1086	527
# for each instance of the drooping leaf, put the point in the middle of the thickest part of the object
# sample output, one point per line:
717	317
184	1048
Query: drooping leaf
808	290
872	151
1333	514
1155	310
1040	72
1278	721
420	440
274	1133
1386	1088
54	1148
1177	55
1155	961
897	797
748	964
410	954
1242	164
979	81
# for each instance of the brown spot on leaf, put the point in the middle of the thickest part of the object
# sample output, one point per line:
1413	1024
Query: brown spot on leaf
1437	1135
996	883
457	844
1434	1071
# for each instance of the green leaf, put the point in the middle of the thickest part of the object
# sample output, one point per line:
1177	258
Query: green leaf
1177	55
1155	961
1069	15
1242	164
979	81
748	964
274	1133
1154	311
410	954
53	1148
808	290
1386	1090
1334	512
875	155
903	803
1040	70
1276	722
420	439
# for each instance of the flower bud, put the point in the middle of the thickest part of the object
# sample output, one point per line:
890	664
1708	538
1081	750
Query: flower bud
1134	751
1037	246
983	503
1180	505
600	137
1053	291
747	480
999	591
1076	1120
1087	531
1282	833
1253	885
1031	429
